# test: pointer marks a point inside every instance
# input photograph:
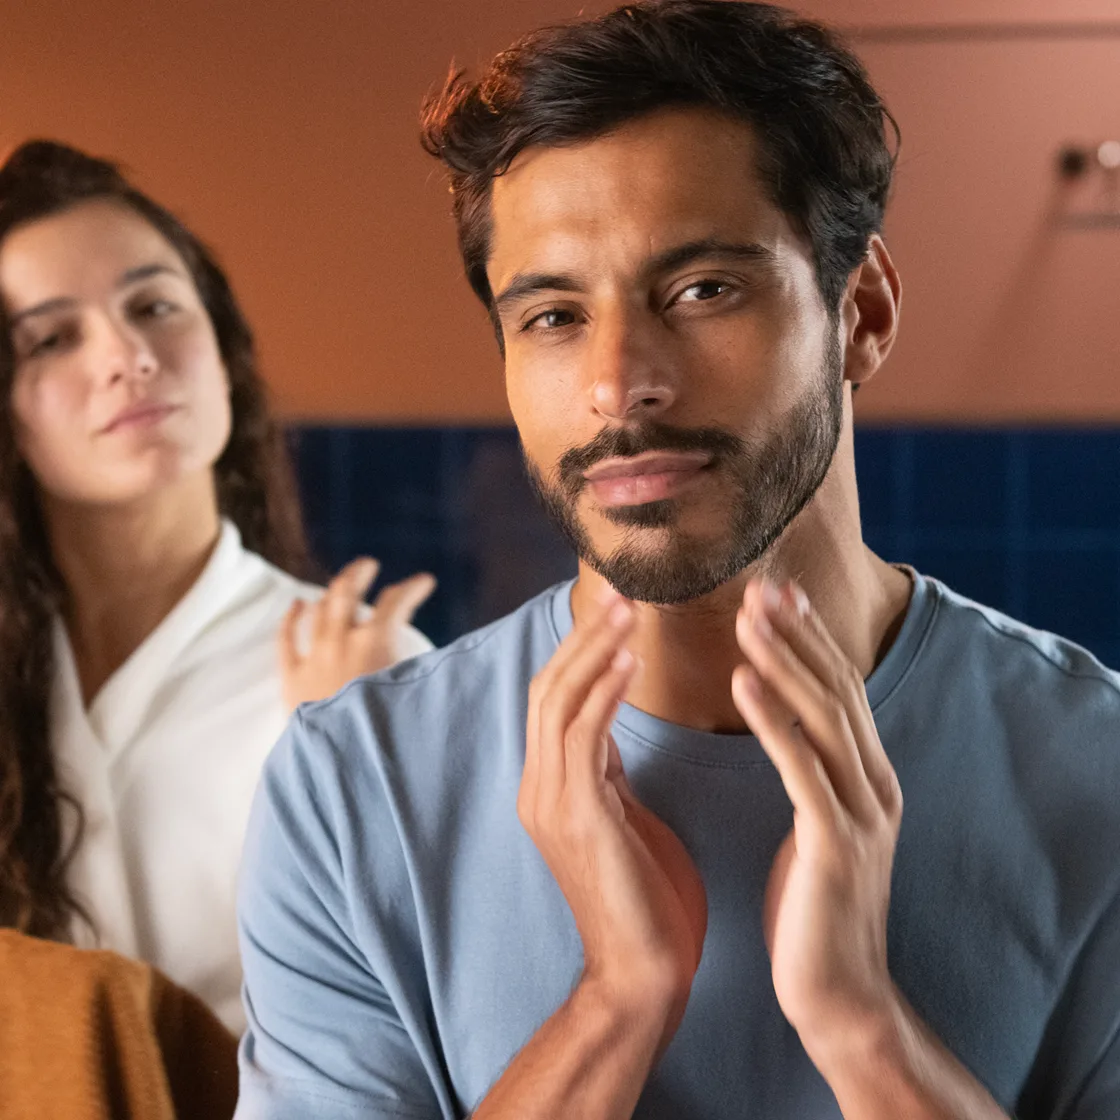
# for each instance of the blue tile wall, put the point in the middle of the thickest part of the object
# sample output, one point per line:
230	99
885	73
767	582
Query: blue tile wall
1026	520
451	501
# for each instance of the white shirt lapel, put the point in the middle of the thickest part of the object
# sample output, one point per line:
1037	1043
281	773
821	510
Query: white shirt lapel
117	713
97	872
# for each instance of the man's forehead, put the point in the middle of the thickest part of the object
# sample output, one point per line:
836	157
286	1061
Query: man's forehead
665	179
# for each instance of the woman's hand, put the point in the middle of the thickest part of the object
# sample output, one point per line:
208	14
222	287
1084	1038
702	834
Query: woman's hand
326	644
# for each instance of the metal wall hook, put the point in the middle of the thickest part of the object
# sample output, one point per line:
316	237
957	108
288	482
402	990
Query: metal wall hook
1076	160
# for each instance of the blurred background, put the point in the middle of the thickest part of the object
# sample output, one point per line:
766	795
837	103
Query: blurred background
285	133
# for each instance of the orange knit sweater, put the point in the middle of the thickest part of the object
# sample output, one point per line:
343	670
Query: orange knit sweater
89	1035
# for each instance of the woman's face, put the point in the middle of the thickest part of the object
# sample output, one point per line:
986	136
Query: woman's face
119	387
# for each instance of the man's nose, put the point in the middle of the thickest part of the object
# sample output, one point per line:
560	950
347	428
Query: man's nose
628	378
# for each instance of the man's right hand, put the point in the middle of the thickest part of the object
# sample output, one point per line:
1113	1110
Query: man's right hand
636	896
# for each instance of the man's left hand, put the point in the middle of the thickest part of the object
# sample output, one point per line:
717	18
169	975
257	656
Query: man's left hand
825	912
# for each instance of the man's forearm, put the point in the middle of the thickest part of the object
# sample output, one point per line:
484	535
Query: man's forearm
590	1059
900	1070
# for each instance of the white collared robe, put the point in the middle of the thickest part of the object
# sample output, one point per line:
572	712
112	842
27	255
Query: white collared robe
164	763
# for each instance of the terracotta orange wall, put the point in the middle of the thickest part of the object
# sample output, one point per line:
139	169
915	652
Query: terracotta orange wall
285	132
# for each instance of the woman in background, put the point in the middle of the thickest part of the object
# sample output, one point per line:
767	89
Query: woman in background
150	544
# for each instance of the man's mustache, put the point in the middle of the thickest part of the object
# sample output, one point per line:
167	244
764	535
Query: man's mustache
622	443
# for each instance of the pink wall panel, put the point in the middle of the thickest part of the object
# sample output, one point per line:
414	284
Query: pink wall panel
285	131
902	13
1010	309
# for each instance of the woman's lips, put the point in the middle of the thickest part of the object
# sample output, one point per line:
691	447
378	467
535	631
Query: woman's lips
650	477
140	416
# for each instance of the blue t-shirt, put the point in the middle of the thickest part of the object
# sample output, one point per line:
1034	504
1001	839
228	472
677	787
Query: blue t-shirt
403	939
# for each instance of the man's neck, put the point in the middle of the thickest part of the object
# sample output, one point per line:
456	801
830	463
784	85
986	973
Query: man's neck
125	567
688	652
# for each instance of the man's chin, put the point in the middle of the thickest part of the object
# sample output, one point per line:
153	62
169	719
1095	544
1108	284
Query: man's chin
663	514
636	537
659	565
655	582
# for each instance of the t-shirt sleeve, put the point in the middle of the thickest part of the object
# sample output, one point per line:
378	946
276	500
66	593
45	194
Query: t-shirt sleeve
324	1038
1076	1074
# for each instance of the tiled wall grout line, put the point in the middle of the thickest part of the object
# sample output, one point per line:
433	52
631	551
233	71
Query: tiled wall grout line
1017	460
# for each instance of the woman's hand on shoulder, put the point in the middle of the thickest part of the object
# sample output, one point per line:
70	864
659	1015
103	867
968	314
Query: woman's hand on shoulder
326	644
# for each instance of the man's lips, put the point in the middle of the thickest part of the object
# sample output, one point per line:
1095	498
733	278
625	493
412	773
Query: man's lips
649	462
649	477
140	415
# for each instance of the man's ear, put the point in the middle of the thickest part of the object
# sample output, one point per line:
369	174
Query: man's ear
869	312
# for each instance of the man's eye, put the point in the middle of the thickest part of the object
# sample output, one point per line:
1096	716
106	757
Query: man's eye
702	290
550	320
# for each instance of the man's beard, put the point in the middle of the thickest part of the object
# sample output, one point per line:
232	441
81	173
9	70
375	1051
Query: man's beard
772	481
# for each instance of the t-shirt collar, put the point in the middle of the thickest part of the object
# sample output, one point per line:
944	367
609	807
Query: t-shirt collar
713	749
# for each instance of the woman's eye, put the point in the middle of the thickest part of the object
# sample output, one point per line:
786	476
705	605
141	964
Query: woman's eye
45	344
550	320
155	309
49	343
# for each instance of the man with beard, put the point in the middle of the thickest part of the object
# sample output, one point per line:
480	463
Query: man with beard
639	849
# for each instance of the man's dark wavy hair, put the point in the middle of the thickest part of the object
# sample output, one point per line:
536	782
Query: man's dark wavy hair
819	125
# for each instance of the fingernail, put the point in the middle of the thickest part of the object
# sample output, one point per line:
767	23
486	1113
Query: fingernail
771	596
799	599
622	660
620	615
364	571
752	682
763	628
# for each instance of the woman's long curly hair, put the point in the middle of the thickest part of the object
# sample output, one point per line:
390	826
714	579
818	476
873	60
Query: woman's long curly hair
255	488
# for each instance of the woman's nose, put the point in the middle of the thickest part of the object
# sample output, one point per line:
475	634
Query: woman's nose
127	353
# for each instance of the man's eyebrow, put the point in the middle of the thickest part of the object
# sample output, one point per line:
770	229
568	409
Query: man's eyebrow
531	283
680	255
63	303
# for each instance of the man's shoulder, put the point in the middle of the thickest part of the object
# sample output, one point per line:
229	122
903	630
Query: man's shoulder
442	708
997	653
1025	709
481	663
514	644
